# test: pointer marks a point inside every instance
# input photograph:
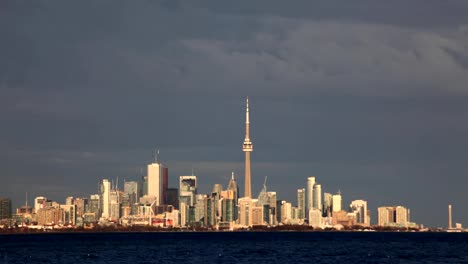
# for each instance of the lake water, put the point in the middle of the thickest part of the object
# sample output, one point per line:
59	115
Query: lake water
237	247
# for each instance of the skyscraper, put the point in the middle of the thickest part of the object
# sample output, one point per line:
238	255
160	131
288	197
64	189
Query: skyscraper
155	181
301	202
105	198
317	200
247	148
359	207
5	208
336	202
310	191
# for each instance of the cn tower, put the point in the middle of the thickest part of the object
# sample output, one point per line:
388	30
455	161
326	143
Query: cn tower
247	148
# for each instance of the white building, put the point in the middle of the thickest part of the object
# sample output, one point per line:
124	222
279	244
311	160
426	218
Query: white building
336	202
105	198
317	201
359	207
155	182
315	218
310	192
39	202
286	211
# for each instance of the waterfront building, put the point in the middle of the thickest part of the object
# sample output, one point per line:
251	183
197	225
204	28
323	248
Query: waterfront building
273	208
5	208
49	216
359	208
301	200
81	206
393	216
315	218
286	210
114	205
247	147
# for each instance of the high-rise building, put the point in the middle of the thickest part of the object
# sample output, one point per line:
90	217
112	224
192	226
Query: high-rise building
310	193
114	205
232	186
188	189
317	193
39	202
81	206
247	147
245	211
69	214
131	189
315	218
359	207
327	204
94	206
172	197
301	199
155	182
286	213
200	207
393	216
336	202
5	208
273	209
104	198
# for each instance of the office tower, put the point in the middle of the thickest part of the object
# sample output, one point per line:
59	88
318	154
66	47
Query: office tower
5	208
286	210
187	194
310	193
247	147
156	181
131	189
273	208
94	205
200	207
39	202
327	204
279	203
81	206
232	186
114	205
211	206
216	194
450	216
172	197
144	186
188	189
317	200
105	198
257	213
245	211
301	202
336	202
359	208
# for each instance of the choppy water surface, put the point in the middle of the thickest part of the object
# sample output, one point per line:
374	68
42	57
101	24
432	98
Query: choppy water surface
248	247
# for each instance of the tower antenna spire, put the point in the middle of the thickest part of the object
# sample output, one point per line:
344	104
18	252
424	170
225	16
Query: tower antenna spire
247	147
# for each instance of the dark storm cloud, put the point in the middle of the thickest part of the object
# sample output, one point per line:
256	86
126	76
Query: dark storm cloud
369	96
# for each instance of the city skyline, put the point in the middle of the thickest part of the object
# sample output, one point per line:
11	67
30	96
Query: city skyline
371	103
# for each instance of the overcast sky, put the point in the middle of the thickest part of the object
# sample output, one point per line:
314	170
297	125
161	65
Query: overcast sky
371	97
